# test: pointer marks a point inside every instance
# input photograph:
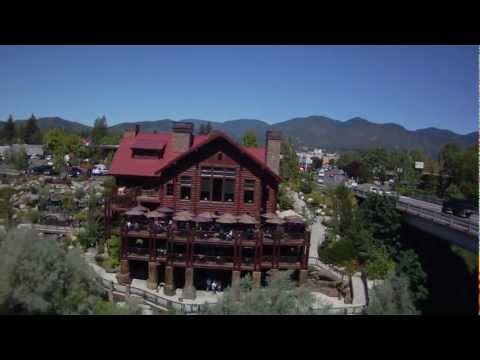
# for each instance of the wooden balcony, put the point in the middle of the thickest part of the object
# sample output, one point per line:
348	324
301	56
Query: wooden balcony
150	195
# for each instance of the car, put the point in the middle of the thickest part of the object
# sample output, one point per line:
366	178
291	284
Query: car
75	171
99	170
461	208
373	189
42	170
320	181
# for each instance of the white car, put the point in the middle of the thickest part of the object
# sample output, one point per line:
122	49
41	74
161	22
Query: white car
100	169
373	190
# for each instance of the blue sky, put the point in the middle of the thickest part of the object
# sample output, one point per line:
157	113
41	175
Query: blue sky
414	86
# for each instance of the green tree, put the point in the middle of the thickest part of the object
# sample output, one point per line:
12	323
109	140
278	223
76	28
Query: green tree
393	297
281	296
8	132
54	141
111	139
453	192
31	132
38	277
99	130
250	139
114	250
93	230
6	206
19	159
289	168
68	203
381	214
408	265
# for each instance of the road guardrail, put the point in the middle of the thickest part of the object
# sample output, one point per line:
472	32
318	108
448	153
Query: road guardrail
451	221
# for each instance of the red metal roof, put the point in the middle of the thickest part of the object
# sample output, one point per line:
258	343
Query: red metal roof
124	164
148	144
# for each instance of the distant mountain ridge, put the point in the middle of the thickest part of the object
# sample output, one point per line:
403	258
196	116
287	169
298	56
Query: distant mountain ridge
312	131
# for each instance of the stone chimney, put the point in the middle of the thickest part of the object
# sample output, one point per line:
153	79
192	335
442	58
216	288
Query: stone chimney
182	136
272	150
132	132
129	133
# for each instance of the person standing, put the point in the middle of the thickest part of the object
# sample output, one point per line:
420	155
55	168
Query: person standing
214	287
209	284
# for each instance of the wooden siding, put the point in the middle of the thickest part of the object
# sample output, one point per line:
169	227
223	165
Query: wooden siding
208	157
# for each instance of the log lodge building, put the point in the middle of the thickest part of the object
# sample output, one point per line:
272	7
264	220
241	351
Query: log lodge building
205	207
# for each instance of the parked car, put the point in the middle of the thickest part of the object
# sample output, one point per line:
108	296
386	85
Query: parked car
75	171
42	170
99	170
462	208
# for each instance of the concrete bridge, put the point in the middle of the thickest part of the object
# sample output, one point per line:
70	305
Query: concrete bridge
429	218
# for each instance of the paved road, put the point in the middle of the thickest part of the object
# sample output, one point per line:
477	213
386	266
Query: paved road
333	177
420	203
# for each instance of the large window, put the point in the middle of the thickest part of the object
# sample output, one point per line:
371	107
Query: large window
228	190
249	191
169	191
206	188
217	184
185	187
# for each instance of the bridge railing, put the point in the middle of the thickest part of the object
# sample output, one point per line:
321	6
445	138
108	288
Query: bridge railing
451	221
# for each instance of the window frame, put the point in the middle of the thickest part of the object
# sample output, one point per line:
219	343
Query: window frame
249	187
223	174
185	183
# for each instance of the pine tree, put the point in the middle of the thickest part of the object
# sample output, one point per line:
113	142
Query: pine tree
8	131
31	132
250	139
99	130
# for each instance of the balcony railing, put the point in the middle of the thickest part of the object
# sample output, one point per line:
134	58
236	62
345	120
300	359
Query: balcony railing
293	236
289	259
149	192
213	259
135	250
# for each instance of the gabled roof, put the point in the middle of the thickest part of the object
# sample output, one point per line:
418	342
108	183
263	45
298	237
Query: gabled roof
123	163
257	155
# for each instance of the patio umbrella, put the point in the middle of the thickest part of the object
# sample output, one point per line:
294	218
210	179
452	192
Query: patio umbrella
182	217
164	209
226	218
201	219
288	214
295	220
247	219
140	208
134	212
268	215
155	214
275	220
184	213
208	215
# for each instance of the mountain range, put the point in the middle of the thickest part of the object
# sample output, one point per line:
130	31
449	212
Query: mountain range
312	131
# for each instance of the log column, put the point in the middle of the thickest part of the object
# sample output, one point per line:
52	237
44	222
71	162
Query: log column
169	288
236	284
124	276
189	291
302	277
257	278
152	281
